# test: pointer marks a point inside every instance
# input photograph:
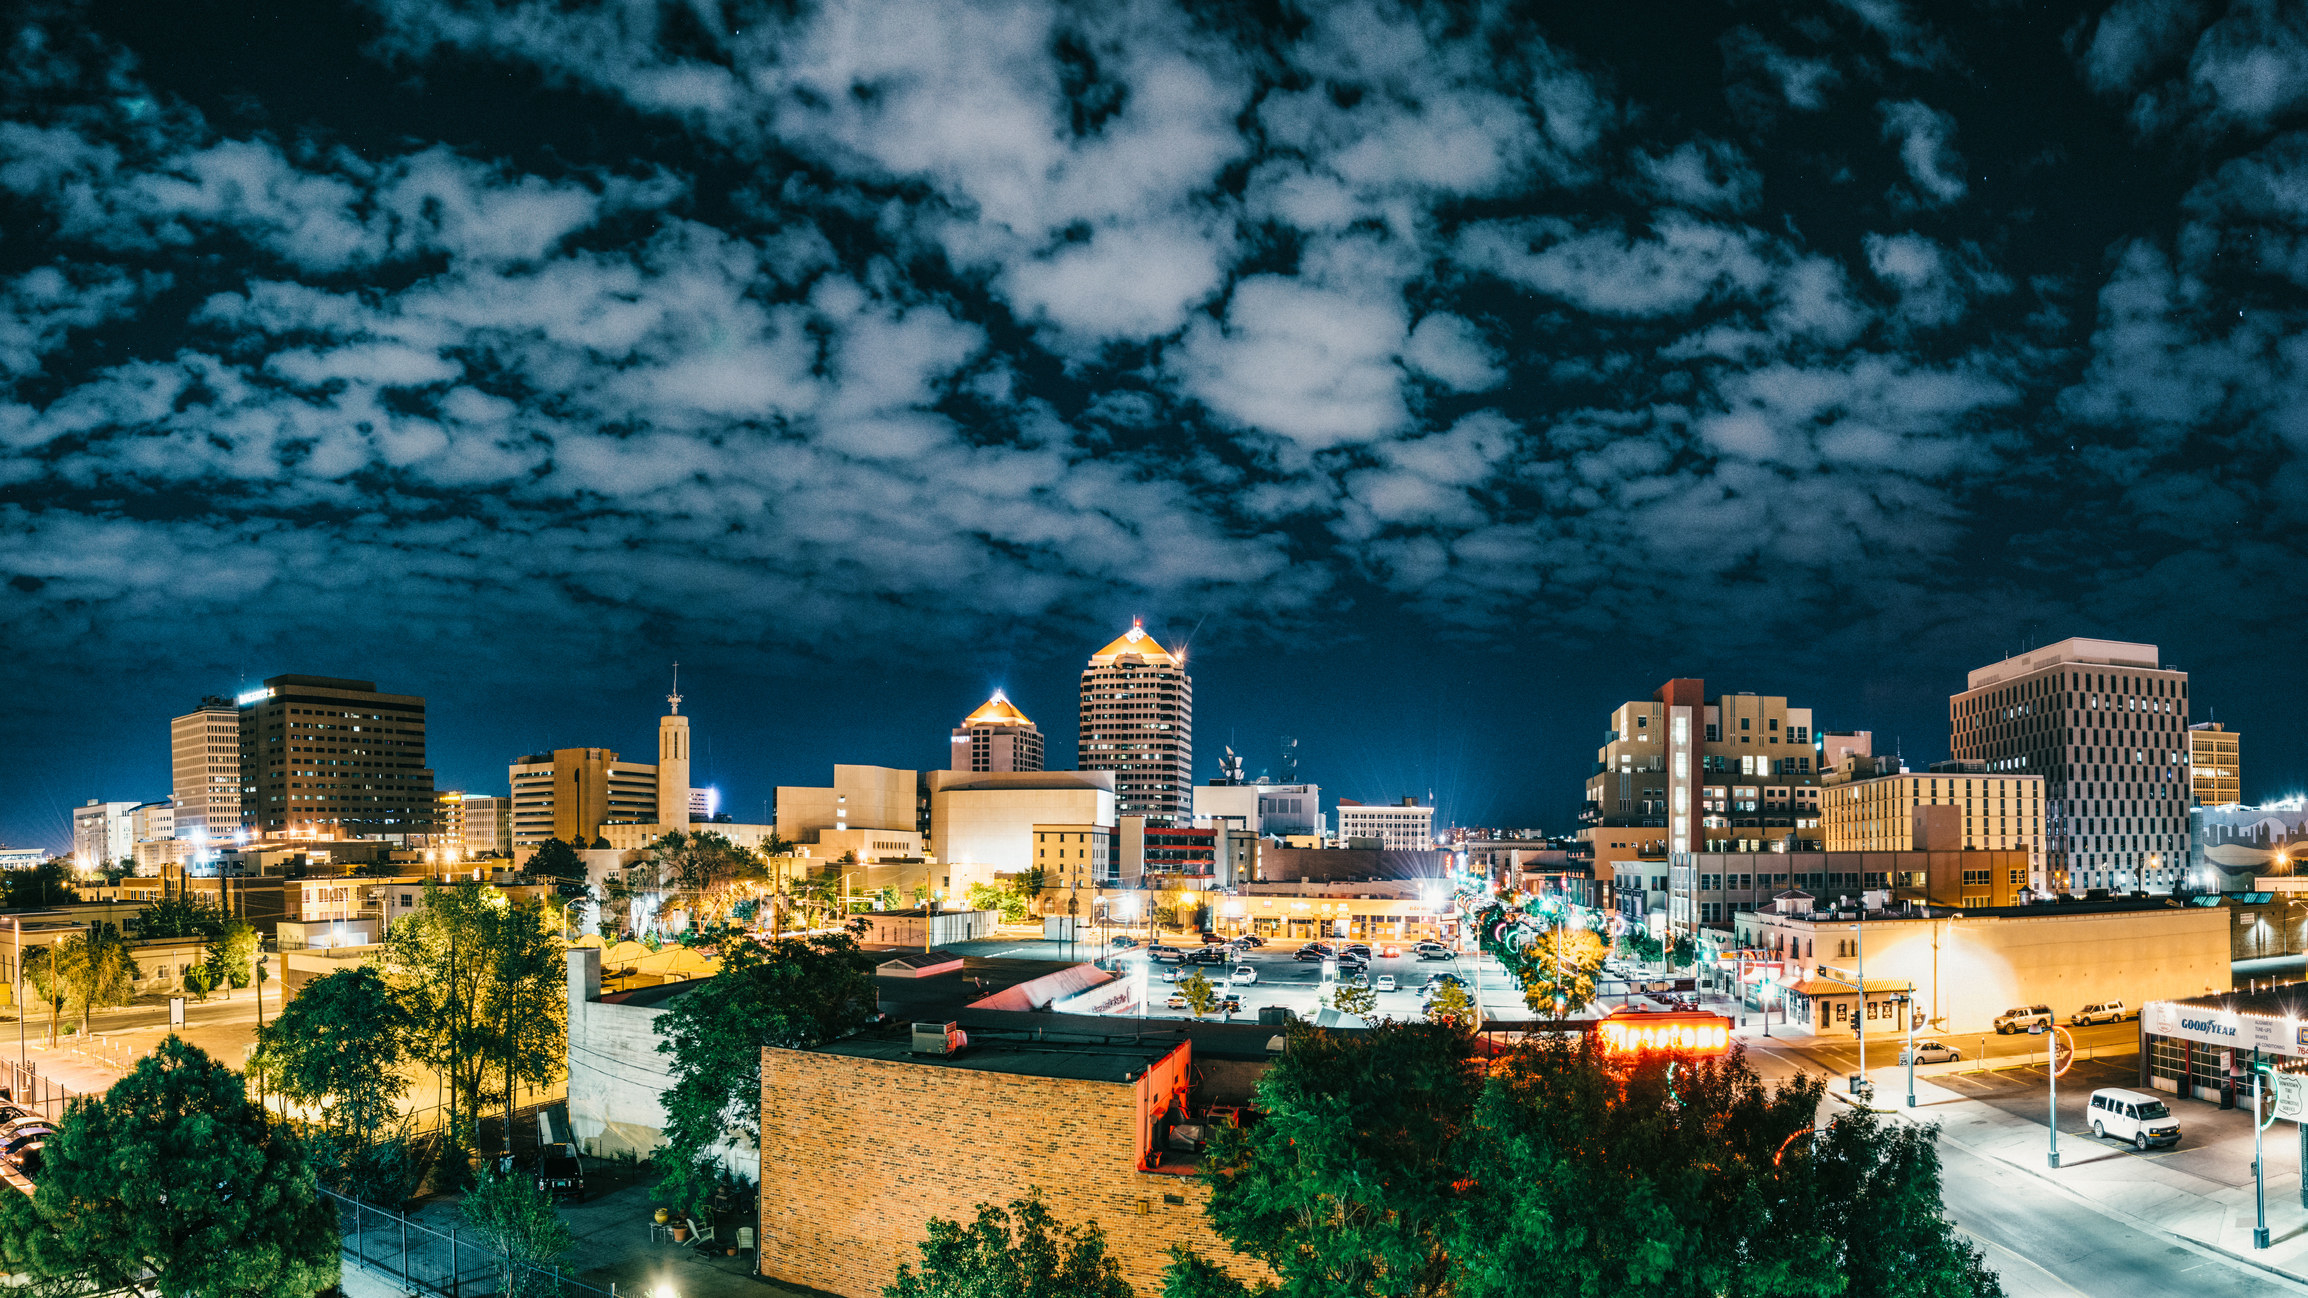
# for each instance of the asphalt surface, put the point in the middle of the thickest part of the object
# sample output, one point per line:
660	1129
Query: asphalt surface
2043	1243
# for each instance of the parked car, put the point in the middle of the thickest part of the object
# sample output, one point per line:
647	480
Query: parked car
1434	951
560	1172
1124	942
1160	952
1312	951
1931	1052
2103	1012
1251	939
1243	974
1355	979
2139	1118
1357	948
1174	973
26	1160
1208	955
1390	952
1348	962
1385	982
1230	1003
2023	1018
1177	1001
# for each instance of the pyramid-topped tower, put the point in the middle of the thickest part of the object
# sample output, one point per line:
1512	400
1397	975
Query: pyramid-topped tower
997	737
1138	722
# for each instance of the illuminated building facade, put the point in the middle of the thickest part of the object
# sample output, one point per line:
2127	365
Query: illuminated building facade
323	757
204	770
2215	765
1137	721
997	738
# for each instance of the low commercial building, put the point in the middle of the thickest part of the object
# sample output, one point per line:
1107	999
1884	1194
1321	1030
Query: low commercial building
1711	889
2202	1047
1383	910
2229	846
865	1139
1262	808
923	929
1967	966
1342	864
1403	826
982	824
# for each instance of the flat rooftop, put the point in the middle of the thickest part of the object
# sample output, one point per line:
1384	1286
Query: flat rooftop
1116	1060
2287	1001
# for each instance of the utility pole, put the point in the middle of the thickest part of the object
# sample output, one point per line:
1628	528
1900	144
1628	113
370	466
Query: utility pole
2259	1165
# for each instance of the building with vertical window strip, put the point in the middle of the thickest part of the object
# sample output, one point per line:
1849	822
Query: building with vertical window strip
204	770
997	737
1137	721
2107	729
2215	762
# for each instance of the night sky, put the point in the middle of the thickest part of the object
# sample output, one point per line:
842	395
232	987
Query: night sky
1443	376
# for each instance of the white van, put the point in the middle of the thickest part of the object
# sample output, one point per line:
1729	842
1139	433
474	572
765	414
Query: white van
2139	1118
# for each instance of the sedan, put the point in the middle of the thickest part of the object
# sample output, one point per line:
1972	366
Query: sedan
1307	953
1124	942
1243	974
1385	983
1391	953
1931	1052
1251	939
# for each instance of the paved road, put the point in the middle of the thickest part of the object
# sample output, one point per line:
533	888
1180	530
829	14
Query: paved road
2043	1243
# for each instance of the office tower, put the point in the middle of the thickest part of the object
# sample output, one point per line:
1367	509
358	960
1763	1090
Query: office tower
1399	827
997	737
2107	728
673	801
1680	772
1999	811
488	827
1137	721
204	770
570	793
2215	765
328	758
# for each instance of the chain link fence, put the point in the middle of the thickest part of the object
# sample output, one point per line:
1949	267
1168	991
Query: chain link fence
428	1260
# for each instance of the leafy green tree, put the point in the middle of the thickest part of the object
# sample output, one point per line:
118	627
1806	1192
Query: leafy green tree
178	915
174	1182
339	1047
49	982
1639	944
1358	999
232	954
704	873
1350	1185
789	992
1003	897
1451	1006
987	1258
1559	971
200	980
464	966
1682	951
46	884
558	863
1201	997
518	1220
97	969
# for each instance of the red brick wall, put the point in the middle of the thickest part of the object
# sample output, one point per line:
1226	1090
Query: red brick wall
858	1154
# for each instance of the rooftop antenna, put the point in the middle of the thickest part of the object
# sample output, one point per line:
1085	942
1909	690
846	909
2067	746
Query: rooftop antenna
675	697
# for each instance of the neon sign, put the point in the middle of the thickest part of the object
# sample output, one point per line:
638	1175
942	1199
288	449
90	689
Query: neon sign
1692	1034
253	696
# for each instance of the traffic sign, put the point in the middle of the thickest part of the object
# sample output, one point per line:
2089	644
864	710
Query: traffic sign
2291	1095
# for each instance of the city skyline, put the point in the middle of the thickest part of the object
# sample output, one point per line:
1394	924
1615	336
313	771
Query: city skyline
1470	373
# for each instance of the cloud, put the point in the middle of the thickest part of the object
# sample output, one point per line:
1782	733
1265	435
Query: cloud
1316	366
2135	37
1684	263
1453	351
1706	174
1926	148
2252	65
1936	285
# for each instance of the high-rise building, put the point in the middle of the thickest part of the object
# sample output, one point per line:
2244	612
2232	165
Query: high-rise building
323	757
2107	728
1398	826
103	833
2215	765
2000	811
1680	772
997	738
487	827
570	793
1138	722
204	770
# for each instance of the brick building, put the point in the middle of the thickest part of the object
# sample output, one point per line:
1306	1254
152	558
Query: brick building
862	1142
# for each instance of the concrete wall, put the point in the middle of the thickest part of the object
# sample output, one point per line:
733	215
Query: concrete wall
858	1154
617	1078
1969	970
986	826
862	797
916	929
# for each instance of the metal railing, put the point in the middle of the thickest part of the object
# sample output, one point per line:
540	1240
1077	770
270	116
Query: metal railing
428	1260
29	1090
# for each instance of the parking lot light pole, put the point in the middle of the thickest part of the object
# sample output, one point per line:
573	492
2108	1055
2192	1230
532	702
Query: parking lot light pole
1908	1009
2259	1168
2052	1072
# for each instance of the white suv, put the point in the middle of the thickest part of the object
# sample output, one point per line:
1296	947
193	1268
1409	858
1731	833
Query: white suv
2130	1115
2104	1012
2023	1018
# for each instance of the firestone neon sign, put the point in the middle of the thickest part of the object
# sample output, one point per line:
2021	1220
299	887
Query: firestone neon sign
1691	1034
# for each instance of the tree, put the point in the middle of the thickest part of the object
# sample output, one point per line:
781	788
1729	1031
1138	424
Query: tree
518	1220
464	965
97	969
199	979
46	884
1003	897
1681	951
178	915
232	952
986	1258
1200	996
174	1182
705	873
1358	999
339	1047
1559	973
46	977
1641	945
1350	1183
558	863
1451	1006
788	992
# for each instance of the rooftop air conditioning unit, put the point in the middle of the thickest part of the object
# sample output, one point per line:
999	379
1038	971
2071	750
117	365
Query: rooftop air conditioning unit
938	1038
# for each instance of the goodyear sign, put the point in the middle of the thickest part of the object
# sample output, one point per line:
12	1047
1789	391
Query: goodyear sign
2218	1027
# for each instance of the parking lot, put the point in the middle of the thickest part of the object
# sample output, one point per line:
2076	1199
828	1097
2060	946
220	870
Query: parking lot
1282	979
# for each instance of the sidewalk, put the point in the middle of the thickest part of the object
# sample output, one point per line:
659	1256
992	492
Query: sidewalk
2202	1200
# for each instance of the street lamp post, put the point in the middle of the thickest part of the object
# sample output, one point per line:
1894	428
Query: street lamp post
2259	1171
1907	1008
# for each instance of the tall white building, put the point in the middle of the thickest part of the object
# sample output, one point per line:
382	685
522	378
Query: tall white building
1138	722
204	770
1260	808
103	833
2106	725
1403	826
997	738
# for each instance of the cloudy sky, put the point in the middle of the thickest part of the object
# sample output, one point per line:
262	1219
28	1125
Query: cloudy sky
1446	374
